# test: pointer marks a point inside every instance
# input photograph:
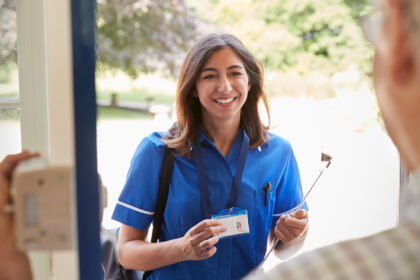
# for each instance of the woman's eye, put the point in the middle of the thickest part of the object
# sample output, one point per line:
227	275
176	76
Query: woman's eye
236	74
211	76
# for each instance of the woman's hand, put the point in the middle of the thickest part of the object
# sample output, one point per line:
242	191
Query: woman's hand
134	252
198	243
291	226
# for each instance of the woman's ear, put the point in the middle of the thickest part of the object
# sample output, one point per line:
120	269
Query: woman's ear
400	54
195	92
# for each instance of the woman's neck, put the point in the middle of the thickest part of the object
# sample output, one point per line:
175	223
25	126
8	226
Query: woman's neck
223	134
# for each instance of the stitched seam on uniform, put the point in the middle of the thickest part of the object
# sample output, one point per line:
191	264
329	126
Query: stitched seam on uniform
135	209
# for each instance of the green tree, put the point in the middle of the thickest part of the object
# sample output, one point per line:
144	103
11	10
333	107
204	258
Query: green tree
291	36
327	35
141	35
8	35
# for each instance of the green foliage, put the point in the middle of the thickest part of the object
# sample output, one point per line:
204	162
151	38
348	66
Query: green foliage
9	95
143	36
8	36
298	37
9	114
6	71
359	7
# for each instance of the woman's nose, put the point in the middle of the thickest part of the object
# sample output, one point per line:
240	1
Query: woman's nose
223	85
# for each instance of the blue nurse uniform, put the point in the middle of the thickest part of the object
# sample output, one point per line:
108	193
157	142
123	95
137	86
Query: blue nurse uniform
272	162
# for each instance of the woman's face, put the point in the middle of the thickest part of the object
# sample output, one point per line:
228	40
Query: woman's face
222	86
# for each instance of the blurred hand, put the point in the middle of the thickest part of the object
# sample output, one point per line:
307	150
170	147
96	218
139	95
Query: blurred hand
14	264
291	226
198	243
6	170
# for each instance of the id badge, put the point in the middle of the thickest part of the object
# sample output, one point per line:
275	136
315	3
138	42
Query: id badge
235	220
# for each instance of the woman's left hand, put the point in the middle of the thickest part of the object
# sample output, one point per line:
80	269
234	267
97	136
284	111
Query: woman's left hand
291	226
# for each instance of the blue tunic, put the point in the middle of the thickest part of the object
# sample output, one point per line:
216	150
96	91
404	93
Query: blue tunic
272	162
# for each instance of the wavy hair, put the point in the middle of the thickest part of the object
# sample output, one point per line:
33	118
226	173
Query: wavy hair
188	107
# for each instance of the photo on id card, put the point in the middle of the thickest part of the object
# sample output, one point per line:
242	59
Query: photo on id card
235	220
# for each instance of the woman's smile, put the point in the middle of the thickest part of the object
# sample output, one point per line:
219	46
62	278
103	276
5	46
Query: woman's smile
225	101
222	87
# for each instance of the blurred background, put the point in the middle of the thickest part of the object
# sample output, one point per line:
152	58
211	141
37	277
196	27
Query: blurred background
317	77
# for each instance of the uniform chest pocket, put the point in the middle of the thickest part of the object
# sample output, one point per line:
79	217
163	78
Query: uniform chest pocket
265	205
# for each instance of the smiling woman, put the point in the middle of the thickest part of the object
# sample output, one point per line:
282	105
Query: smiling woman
222	89
224	158
223	64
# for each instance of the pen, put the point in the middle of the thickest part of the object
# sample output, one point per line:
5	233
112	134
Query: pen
267	190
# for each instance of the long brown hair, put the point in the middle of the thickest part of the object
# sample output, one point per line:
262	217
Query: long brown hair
188	107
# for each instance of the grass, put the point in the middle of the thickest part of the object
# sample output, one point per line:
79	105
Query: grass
134	96
9	115
9	95
137	96
105	113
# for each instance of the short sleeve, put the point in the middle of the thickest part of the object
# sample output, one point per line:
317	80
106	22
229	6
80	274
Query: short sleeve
136	204
289	191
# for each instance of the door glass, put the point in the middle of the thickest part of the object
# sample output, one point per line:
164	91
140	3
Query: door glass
9	131
9	85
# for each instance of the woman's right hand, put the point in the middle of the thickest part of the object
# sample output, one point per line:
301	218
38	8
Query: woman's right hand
198	243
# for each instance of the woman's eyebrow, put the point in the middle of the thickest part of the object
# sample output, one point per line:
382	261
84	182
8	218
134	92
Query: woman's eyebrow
208	69
235	66
215	70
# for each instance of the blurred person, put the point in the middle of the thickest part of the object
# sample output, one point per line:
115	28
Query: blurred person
395	253
14	264
224	157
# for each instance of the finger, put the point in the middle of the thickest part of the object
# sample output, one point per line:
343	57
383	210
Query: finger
10	161
4	191
209	242
206	233
289	233
300	214
283	235
280	235
203	225
296	223
295	231
208	253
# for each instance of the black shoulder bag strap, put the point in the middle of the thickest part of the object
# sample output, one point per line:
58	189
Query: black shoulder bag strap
164	180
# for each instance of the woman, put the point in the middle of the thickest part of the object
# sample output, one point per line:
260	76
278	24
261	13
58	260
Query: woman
225	157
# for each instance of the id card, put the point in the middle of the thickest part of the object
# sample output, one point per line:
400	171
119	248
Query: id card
235	220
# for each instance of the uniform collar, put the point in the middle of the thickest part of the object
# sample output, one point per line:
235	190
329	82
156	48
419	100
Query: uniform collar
203	137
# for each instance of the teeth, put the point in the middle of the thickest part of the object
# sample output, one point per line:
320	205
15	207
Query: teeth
225	101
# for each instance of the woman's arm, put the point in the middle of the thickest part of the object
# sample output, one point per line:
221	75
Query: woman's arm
134	252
